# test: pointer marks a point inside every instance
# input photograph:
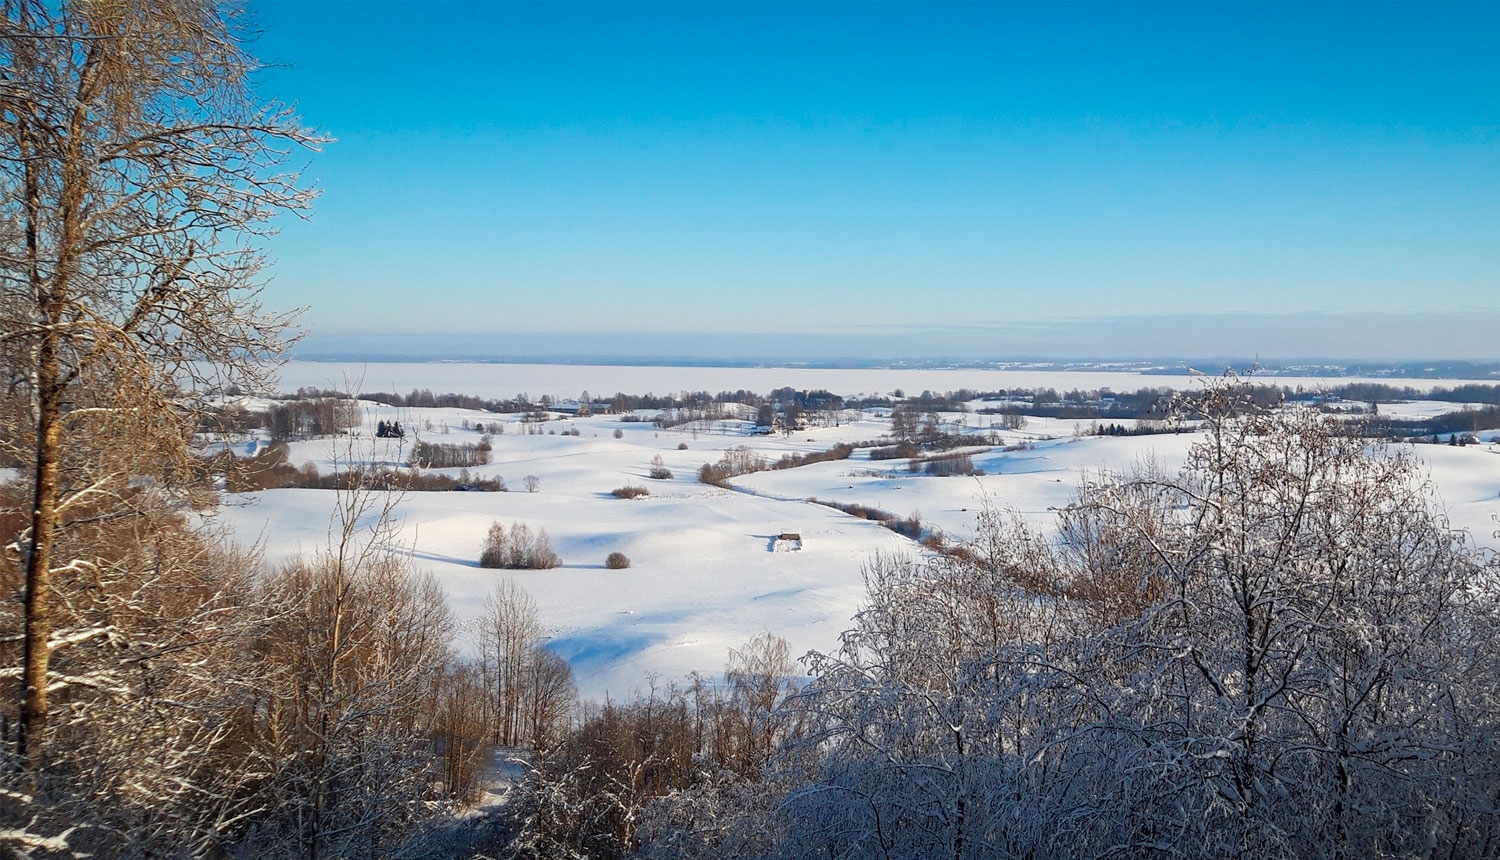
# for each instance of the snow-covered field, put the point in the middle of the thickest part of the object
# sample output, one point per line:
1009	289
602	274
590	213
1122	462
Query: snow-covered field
704	577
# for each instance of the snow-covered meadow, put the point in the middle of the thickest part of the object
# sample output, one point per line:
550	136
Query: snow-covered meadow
704	577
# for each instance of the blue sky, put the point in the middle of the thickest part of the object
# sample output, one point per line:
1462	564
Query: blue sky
847	168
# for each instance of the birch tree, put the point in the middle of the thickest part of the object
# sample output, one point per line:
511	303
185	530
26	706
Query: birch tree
138	172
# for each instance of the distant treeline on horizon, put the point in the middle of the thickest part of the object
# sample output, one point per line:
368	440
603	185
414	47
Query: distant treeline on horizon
1430	369
1479	403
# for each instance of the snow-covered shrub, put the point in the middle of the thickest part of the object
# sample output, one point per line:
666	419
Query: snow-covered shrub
944	465
1281	651
617	561
840	451
659	470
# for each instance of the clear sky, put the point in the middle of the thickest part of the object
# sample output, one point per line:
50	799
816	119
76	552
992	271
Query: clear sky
855	168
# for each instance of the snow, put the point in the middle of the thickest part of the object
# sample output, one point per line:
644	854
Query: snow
1418	409
705	575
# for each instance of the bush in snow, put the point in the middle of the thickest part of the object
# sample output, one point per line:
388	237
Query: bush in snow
659	469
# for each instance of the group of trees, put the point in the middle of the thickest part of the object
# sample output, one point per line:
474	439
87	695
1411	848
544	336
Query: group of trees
165	694
1376	392
136	172
204	703
910	421
1462	422
1143	428
303	419
944	465
840	451
424	398
440	455
530	695
517	548
270	469
1281	651
346	703
659	763
736	460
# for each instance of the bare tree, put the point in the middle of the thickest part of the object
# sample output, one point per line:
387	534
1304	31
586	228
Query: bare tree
137	173
508	629
758	675
355	646
461	732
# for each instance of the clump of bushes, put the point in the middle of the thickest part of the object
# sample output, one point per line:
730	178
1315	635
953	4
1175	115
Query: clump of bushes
617	561
944	465
659	470
864	512
896	452
619	434
910	526
517	548
840	451
682	446
629	491
949	441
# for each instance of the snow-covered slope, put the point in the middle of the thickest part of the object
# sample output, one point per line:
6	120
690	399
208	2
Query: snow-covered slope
704	577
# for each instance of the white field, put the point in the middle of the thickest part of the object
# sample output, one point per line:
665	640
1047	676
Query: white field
703	577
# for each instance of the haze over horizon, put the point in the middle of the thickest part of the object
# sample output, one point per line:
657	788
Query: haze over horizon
896	179
1266	337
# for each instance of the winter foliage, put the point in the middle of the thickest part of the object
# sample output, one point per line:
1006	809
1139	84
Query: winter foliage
1282	651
